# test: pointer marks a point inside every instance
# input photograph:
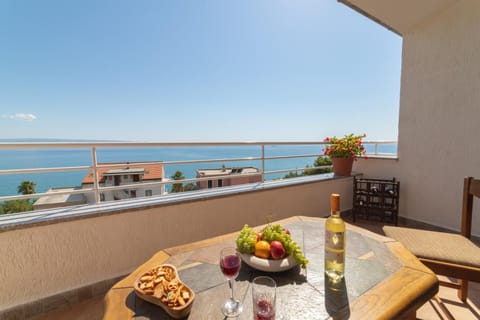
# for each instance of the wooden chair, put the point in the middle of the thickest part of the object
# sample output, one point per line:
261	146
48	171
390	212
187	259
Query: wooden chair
448	254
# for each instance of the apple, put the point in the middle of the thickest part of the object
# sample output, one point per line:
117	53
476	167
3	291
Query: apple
277	251
287	231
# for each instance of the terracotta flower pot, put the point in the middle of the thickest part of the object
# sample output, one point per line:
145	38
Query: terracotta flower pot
342	166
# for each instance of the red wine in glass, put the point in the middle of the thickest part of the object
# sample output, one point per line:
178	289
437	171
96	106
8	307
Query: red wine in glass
230	266
264	311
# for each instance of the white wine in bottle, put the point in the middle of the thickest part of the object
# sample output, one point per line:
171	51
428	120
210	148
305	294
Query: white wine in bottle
335	241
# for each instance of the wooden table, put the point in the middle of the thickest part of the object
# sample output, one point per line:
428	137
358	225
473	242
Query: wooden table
383	280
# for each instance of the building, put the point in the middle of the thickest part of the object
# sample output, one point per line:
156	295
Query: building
58	199
135	175
222	177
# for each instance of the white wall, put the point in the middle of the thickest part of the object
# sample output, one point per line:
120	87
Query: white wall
139	188
439	136
440	114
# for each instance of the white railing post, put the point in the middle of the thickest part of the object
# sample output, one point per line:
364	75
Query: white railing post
263	162
95	175
376	148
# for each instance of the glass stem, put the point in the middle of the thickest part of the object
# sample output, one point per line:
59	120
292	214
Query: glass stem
230	283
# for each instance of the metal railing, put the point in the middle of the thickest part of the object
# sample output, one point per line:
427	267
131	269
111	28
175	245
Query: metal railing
93	146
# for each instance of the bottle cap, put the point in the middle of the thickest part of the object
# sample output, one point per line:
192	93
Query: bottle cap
335	202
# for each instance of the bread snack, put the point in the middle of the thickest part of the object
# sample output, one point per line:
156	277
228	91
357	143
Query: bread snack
162	286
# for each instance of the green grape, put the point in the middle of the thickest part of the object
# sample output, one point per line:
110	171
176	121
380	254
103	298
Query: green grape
246	240
276	232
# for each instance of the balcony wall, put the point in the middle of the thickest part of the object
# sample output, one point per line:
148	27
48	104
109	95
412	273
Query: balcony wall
439	109
439	114
44	260
446	205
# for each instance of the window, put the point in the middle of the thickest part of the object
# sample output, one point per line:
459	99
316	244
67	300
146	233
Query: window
148	193
209	184
125	177
133	193
102	197
220	183
136	178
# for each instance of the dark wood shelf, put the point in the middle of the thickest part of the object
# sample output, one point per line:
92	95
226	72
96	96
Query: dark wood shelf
376	198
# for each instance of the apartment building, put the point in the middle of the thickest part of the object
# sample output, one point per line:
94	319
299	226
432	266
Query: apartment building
222	177
133	175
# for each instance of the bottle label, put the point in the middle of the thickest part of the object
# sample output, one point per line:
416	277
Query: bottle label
335	240
334	257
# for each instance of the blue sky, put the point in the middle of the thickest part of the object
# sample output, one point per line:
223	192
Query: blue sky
211	70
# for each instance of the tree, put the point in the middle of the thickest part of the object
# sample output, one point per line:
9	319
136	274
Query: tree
292	174
17	206
177	187
26	187
190	187
320	161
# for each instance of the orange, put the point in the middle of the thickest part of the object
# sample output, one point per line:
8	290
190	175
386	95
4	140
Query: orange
262	249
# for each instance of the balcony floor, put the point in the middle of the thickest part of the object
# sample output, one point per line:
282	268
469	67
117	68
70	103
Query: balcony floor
445	306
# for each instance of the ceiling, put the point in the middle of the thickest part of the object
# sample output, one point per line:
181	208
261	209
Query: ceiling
400	16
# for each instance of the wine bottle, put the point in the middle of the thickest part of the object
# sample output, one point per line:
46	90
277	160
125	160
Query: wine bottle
389	191
335	241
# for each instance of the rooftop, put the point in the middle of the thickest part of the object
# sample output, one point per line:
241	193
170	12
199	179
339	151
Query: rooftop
117	172
226	171
54	199
149	171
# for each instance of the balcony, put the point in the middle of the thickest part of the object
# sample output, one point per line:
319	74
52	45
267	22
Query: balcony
65	258
74	254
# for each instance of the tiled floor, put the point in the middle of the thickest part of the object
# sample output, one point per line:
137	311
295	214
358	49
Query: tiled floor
445	307
448	306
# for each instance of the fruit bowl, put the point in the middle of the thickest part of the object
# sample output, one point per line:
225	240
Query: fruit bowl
263	250
269	265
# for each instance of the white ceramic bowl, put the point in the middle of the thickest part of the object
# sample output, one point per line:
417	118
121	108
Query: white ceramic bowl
269	265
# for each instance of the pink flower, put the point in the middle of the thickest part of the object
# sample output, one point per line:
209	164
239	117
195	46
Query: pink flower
350	146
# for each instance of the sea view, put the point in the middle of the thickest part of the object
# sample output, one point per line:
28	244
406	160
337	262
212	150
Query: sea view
50	158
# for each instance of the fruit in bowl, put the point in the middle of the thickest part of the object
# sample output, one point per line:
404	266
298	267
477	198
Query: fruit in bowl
277	251
271	249
262	249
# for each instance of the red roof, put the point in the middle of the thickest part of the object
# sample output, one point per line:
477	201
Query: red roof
151	171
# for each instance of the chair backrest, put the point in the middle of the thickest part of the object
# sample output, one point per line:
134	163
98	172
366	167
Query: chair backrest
471	188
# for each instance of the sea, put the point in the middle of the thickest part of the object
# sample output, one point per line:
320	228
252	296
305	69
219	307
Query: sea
51	158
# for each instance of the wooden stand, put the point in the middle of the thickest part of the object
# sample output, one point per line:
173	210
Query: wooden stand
376	198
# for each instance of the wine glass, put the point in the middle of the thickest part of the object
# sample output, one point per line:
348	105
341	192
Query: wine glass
230	265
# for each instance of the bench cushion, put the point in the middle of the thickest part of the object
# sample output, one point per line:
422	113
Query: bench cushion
448	247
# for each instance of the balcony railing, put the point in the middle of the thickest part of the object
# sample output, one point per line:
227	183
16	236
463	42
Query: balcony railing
259	155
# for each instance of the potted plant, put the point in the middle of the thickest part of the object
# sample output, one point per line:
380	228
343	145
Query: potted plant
343	151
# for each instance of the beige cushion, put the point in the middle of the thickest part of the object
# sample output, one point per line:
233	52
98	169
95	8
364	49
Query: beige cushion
434	245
